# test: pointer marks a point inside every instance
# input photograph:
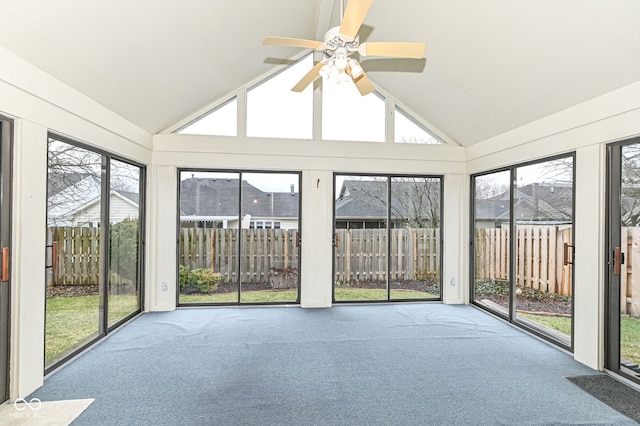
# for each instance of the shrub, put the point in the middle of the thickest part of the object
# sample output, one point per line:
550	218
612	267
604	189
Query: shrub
124	249
184	272
199	280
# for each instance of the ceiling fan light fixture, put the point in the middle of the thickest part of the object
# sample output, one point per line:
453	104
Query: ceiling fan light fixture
343	77
341	58
340	43
355	70
326	70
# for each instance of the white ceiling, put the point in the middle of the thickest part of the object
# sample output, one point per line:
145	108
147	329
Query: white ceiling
491	65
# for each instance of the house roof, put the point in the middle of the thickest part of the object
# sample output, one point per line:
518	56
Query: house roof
368	199
536	202
490	65
208	197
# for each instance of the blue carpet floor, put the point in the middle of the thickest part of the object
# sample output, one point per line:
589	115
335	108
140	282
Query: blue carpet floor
390	364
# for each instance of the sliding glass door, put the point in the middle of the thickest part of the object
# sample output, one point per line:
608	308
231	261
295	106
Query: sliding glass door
492	216
124	241
623	282
5	244
387	238
239	237
543	218
522	247
94	246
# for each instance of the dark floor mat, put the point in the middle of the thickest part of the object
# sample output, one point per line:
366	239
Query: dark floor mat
612	392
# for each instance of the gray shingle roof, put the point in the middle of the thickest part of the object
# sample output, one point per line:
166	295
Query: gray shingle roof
219	197
366	199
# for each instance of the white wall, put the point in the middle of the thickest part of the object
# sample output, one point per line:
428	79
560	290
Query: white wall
317	161
38	103
584	129
28	258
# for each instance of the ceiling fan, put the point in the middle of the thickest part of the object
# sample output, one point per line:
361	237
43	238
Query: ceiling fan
342	42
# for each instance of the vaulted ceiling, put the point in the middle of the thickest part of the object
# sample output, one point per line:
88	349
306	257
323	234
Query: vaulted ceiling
490	65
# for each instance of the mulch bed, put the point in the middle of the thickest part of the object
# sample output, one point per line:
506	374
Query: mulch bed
549	307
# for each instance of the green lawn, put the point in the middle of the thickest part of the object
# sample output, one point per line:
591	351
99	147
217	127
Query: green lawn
352	293
630	338
70	321
266	296
629	332
290	296
561	324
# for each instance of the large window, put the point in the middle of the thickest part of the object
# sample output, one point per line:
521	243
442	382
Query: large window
94	255
221	121
523	246
239	237
349	116
622	324
5	244
387	238
273	110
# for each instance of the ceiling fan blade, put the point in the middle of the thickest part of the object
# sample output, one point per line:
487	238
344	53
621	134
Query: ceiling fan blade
353	17
295	42
364	85
308	78
401	49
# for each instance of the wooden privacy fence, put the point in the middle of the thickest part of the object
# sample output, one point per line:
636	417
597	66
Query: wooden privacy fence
361	254
630	283
540	262
73	255
217	249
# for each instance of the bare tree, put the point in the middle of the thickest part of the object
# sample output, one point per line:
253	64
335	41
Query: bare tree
415	201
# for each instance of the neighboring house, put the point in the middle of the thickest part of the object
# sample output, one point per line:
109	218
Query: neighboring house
214	203
536	203
363	204
78	203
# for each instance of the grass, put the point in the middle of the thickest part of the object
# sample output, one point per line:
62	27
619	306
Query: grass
561	324
347	294
629	332
265	296
284	296
630	338
70	321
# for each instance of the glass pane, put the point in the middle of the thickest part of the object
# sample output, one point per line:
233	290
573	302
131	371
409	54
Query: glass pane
415	238
348	116
268	242
630	235
361	209
543	211
124	226
73	249
273	110
408	130
222	121
491	233
209	223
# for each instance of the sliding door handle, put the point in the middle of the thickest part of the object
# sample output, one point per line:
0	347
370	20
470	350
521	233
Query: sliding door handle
568	254
618	260
5	264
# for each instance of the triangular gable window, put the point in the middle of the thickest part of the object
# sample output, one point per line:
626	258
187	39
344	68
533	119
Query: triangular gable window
273	110
407	130
348	116
221	121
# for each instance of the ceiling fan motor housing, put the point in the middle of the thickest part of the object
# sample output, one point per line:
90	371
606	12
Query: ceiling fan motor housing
333	40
